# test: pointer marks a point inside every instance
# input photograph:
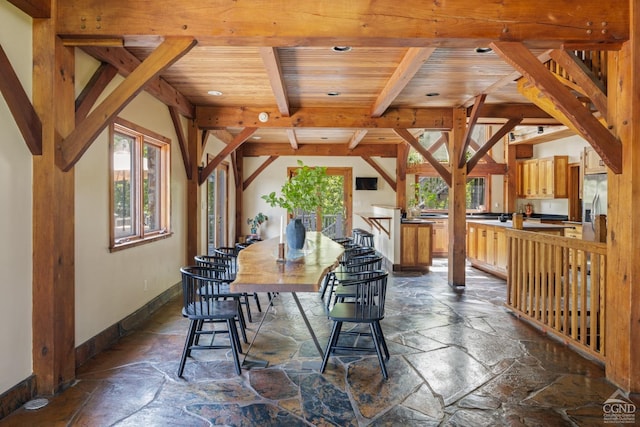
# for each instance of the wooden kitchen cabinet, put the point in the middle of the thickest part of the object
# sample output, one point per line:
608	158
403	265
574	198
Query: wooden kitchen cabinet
416	245
544	178
487	248
592	162
440	237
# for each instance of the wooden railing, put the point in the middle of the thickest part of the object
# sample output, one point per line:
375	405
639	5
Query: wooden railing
558	283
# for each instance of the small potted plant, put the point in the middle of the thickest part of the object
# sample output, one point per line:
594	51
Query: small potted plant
256	222
302	192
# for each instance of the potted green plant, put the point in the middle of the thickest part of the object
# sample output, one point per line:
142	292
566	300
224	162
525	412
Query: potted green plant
255	222
301	193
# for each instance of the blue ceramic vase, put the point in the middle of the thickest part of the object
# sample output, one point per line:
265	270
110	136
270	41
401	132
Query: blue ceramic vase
296	234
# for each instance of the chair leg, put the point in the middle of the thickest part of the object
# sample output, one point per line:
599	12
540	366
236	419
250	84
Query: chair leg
383	341
378	351
235	343
257	300
246	303
333	339
243	325
186	352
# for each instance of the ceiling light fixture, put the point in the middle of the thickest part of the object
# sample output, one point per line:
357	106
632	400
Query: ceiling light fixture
333	93
432	94
483	49
263	117
256	137
341	48
214	93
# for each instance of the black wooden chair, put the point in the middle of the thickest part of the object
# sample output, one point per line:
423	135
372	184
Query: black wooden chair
369	259
201	308
366	307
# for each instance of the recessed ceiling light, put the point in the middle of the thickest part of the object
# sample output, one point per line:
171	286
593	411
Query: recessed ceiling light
341	48
333	93
214	93
432	94
256	137
483	49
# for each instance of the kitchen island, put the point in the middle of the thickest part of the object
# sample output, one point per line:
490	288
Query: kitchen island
487	242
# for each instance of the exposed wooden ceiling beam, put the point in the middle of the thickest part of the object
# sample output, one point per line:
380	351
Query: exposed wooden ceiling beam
126	63
443	171
81	138
274	72
535	95
182	140
480	169
508	79
483	150
279	149
363	23
258	171
473	119
34	8
96	85
222	134
584	77
293	139
382	172
22	110
356	138
476	147
228	149
601	139
443	140
411	118
408	67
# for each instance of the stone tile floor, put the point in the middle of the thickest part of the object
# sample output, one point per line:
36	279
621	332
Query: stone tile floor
457	359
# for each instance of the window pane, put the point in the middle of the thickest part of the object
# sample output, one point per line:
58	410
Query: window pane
434	193
123	194
151	185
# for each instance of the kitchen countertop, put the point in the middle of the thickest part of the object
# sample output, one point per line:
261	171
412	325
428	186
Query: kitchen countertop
526	225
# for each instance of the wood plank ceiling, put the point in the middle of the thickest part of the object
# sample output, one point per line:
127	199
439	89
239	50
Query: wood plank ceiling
348	73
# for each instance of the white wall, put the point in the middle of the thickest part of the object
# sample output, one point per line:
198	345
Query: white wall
272	178
110	286
15	212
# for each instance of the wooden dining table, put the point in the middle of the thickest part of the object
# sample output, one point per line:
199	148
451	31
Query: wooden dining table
260	269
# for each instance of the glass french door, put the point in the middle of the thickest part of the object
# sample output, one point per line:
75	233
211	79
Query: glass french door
217	202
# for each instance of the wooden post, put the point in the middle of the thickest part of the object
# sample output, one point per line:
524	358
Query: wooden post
510	177
401	174
623	245
194	208
53	214
239	179
600	224
457	202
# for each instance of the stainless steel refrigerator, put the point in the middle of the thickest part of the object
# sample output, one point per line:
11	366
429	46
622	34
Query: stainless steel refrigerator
594	202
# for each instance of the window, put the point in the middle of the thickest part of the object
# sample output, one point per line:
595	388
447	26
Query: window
139	170
434	193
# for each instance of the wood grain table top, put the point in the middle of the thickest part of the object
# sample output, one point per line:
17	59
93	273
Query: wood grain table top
302	271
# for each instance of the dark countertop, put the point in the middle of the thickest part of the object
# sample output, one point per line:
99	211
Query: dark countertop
531	225
416	221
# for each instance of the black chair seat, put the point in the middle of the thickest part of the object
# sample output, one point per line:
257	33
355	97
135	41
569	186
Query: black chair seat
223	310
356	313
